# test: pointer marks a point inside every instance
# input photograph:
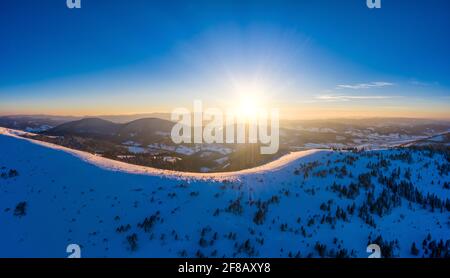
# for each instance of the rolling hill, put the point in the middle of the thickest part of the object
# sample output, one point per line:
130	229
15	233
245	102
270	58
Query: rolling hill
141	130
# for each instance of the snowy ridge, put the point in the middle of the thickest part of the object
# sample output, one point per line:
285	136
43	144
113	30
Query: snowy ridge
114	165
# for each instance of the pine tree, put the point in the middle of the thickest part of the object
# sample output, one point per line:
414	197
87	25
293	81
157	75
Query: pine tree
414	250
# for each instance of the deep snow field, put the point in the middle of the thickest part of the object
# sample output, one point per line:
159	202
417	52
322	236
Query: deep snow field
50	198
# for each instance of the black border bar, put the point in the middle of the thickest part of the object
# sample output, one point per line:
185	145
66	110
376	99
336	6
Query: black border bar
127	267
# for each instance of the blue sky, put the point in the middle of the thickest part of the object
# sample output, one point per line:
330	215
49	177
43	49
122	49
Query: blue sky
310	58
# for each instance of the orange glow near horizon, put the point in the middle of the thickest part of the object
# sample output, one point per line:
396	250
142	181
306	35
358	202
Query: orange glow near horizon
248	105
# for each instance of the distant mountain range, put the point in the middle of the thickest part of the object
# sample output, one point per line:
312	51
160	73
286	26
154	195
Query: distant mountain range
62	119
142	130
294	134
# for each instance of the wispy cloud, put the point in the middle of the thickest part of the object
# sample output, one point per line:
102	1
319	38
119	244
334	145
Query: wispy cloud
364	85
424	84
350	98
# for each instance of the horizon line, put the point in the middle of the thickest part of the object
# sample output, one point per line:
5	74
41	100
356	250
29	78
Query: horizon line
281	118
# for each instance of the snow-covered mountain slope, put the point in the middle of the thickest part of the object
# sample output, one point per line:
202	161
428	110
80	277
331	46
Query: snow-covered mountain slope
115	165
436	140
316	204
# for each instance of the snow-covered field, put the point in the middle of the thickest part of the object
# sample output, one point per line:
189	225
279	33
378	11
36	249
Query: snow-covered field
51	196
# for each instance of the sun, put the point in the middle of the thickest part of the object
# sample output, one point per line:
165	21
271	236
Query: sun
250	99
248	105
